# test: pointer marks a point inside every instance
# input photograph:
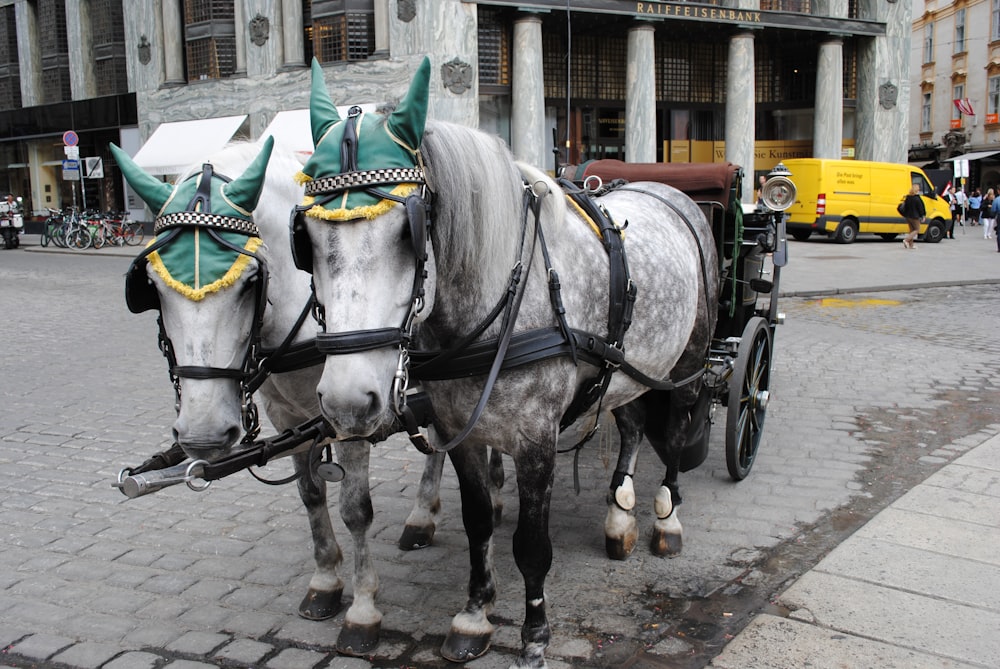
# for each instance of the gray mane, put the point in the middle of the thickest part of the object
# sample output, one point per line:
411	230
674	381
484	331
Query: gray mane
478	198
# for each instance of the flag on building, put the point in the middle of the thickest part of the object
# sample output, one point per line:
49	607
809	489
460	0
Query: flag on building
964	106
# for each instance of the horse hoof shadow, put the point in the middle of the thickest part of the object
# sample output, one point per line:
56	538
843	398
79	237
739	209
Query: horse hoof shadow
320	605
358	640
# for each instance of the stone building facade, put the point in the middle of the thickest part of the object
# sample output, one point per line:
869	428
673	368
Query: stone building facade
749	81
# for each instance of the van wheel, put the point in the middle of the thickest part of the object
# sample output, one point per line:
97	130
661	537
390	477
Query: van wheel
847	232
934	232
801	235
888	236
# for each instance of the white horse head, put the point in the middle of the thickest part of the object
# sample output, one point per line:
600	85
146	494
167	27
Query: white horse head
219	259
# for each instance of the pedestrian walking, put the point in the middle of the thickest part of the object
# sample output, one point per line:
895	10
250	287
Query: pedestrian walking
961	205
949	197
913	210
988	216
975	203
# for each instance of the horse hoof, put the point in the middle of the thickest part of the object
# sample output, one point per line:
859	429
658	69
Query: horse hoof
416	537
459	647
666	545
619	548
320	605
358	640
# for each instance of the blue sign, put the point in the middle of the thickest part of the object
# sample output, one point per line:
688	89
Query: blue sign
71	164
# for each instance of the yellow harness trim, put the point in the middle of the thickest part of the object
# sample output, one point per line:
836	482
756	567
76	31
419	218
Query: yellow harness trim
198	294
585	217
369	212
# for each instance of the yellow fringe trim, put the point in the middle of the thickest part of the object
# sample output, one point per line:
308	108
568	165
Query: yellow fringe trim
301	178
369	212
198	294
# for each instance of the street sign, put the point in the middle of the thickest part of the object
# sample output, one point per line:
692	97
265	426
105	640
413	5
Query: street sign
93	168
70	138
71	170
72	152
961	168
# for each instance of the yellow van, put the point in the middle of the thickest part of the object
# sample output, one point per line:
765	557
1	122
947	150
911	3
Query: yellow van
842	198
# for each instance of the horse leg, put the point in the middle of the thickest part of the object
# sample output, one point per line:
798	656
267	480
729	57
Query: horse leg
621	532
322	600
496	484
533	548
470	632
359	634
418	532
668	438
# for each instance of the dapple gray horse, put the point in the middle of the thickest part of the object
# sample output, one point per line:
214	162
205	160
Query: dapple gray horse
216	331
436	247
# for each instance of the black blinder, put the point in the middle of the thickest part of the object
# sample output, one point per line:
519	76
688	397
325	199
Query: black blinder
417	214
302	252
140	293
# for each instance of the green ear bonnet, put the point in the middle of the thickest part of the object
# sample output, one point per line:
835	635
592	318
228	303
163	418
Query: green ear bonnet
193	215
369	146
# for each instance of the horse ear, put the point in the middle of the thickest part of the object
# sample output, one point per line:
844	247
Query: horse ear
322	112
244	191
153	192
408	119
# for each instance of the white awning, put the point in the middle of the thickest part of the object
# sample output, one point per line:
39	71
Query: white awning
292	128
972	156
173	147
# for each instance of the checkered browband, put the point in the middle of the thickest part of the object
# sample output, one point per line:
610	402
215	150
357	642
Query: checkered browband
197	218
340	182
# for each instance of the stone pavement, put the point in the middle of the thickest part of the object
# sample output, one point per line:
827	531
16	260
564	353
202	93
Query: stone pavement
91	579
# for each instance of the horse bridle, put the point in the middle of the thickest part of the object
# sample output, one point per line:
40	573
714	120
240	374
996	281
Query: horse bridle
141	295
418	205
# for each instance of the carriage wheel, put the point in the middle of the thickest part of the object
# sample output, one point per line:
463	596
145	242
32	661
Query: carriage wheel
748	397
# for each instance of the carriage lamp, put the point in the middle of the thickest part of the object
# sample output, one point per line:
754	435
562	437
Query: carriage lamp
778	192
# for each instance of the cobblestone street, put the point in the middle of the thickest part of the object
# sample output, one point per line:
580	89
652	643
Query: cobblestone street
871	393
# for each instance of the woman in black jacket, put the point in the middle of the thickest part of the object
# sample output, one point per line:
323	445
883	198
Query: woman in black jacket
914	213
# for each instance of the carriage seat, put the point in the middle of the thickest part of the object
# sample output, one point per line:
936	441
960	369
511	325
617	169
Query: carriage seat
702	182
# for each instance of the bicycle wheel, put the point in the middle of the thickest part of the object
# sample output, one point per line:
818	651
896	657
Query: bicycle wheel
98	237
138	234
46	236
127	236
79	238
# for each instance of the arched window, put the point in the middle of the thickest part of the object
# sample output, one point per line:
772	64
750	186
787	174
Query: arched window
339	30
210	38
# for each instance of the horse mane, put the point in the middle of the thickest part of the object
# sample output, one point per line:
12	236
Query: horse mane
478	190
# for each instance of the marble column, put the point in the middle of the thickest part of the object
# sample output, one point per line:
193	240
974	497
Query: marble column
29	55
640	95
740	100
240	19
828	119
527	92
882	118
173	44
381	28
292	33
80	40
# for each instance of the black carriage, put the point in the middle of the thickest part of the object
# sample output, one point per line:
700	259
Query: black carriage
752	249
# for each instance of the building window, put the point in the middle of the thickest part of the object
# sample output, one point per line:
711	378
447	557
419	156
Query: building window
10	75
108	28
210	39
494	49
995	21
925	113
993	100
929	43
339	30
960	31
957	93
55	51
